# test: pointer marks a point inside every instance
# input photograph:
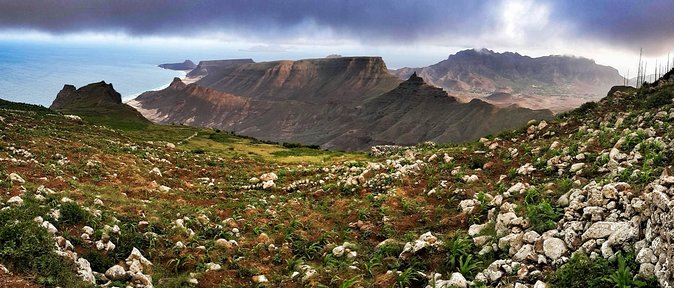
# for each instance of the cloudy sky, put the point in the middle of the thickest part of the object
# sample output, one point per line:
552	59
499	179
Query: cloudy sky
405	32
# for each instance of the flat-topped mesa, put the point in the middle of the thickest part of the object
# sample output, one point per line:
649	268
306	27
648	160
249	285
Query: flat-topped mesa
94	94
341	79
204	66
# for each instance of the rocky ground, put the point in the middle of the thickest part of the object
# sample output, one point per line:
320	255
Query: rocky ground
579	201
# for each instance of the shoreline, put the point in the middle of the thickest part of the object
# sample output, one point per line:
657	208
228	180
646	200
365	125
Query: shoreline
127	98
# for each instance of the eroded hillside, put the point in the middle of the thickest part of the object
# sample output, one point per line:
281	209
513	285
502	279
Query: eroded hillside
346	103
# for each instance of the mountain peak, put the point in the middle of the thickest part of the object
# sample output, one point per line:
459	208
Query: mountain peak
414	78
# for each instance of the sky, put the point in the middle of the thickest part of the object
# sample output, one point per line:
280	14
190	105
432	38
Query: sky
406	32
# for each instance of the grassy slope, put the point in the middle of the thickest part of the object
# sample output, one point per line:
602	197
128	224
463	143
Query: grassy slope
316	210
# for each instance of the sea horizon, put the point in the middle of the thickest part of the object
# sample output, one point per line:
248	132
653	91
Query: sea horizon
35	74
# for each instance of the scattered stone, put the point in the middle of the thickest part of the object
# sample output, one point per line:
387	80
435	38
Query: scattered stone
260	279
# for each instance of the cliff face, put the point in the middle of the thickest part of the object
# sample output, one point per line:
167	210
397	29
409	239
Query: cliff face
341	103
479	73
210	66
313	80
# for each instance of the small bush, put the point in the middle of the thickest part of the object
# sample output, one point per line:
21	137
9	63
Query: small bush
72	213
99	261
658	99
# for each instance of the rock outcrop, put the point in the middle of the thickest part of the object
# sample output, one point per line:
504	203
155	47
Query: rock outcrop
95	99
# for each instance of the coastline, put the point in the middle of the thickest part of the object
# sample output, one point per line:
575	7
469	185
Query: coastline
127	98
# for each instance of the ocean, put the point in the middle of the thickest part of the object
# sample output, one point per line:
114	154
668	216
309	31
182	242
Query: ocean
35	72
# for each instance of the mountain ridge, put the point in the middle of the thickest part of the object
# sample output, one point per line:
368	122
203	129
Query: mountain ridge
323	101
567	81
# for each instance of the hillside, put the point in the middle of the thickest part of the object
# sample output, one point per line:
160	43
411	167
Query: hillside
558	83
579	201
337	103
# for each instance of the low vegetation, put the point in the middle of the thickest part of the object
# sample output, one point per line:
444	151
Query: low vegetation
560	203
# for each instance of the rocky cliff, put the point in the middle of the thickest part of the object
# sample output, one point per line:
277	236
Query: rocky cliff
341	103
555	82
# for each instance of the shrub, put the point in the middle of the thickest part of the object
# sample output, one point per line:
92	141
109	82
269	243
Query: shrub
541	214
658	99
72	213
25	247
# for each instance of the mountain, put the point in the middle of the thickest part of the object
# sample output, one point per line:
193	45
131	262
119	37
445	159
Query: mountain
550	82
96	100
339	103
186	65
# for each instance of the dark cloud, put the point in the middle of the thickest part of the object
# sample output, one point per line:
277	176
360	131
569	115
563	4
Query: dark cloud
631	24
626	23
365	20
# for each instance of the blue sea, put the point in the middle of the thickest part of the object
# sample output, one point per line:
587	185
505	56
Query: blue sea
34	72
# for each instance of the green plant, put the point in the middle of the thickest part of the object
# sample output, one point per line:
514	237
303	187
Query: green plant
468	265
540	212
407	277
349	282
658	99
622	277
372	264
542	216
72	213
457	247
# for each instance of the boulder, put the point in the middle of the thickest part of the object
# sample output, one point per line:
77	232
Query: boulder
116	273
554	248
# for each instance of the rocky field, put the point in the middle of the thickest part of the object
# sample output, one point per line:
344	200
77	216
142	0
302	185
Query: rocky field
579	201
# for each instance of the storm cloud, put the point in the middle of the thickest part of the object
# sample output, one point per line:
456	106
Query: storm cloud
624	23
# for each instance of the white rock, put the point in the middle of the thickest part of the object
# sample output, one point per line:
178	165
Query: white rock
338	251
16	178
179	245
136	256
268	184
116	273
142	280
576	167
554	248
475	229
603	229
84	270
260	279
15	201
271	176
457	280
155	171
213	266
50	228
